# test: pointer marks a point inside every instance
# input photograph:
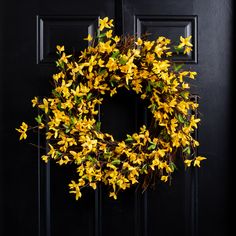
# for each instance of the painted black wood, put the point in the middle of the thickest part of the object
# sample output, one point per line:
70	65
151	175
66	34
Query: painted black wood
34	198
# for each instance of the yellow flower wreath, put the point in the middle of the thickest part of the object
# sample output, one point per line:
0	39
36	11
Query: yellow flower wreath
108	64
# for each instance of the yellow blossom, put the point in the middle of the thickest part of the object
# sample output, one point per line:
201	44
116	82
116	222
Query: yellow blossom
105	23
111	64
45	158
22	130
164	178
139	42
89	38
113	194
197	160
185	42
116	39
187	50
44	105
93	185
75	189
192	74
109	33
188	162
60	48
34	101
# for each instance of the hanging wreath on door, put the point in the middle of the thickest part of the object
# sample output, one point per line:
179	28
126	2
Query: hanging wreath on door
70	114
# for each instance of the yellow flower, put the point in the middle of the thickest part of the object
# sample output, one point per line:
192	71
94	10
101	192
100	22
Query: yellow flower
101	62
80	90
60	48
185	42
77	156
113	194
187	50
45	158
193	121
192	74
161	152
185	86
92	62
105	23
93	185
88	143
34	101
89	38
188	162
148	45
64	58
139	42
198	160
111	64
24	126
63	161
150	57
52	151
163	40
169	54
158	50
109	33
164	178
44	105
116	39
155	162
22	130
58	76
76	190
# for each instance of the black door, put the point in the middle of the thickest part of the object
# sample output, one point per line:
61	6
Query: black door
34	198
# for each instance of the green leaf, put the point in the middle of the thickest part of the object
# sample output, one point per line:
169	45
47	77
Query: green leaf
55	93
115	54
59	106
148	88
173	166
187	150
152	147
67	130
89	158
112	84
122	61
160	84
180	118
184	94
102	71
129	138
72	120
152	107
61	64
98	126
89	95
58	153
144	169
78	99
39	118
116	162
177	67
178	49
101	35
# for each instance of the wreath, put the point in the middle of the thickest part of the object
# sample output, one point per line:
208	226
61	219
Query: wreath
70	114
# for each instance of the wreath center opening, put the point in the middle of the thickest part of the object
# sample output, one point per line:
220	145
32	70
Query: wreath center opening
122	114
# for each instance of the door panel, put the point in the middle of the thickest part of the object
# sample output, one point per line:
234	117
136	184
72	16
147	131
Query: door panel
34	198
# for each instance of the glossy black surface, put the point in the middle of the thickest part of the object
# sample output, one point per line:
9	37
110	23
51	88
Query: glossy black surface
34	198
